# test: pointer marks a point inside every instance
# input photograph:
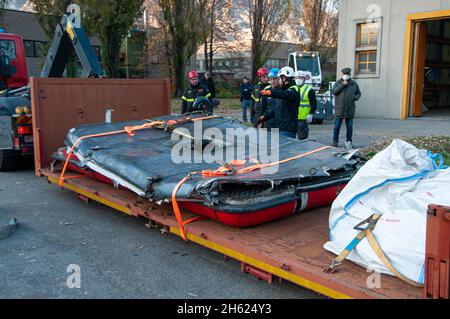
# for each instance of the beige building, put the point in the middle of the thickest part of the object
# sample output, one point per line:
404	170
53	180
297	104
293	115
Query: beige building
400	55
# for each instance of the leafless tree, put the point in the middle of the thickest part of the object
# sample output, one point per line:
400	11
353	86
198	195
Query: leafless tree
182	23
158	51
321	19
220	30
265	17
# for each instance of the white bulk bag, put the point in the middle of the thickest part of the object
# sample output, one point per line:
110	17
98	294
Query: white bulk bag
399	183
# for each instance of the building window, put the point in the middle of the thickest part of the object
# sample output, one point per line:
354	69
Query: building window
33	49
368	34
367	48
366	62
274	63
29	48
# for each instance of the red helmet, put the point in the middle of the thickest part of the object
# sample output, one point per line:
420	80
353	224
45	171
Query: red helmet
262	71
192	74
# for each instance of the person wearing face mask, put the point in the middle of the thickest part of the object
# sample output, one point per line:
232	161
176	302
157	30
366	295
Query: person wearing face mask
194	90
346	92
287	111
308	105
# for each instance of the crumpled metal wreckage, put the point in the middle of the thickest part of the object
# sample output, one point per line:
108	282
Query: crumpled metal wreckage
245	191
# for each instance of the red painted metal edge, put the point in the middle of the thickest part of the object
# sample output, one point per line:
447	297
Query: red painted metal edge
437	260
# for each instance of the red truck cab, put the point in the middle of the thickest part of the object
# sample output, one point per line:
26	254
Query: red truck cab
16	136
12	46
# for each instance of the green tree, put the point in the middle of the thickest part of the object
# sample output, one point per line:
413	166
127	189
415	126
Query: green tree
3	4
111	20
49	13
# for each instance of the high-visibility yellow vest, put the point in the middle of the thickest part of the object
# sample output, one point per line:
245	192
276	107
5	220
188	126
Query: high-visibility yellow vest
305	105
255	96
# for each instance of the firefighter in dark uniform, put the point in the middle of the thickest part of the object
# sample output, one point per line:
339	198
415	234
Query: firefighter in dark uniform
194	91
287	113
269	105
257	111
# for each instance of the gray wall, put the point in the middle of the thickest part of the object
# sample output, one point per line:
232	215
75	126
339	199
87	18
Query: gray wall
381	95
25	25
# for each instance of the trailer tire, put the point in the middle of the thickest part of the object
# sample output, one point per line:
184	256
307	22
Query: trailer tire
8	161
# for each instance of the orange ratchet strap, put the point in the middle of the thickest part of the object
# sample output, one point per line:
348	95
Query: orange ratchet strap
224	170
203	118
61	177
130	130
177	211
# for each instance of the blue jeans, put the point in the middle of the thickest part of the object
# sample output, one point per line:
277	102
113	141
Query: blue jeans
246	104
288	134
337	128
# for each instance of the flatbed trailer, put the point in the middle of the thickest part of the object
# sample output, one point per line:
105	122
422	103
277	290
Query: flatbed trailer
289	249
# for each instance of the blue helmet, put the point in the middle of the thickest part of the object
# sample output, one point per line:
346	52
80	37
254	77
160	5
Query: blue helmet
274	73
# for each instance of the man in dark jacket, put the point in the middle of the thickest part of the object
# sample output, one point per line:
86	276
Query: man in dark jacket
263	81
208	82
195	90
288	115
270	106
246	89
347	92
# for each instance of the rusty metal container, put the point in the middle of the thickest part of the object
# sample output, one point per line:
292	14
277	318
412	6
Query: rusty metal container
437	280
61	104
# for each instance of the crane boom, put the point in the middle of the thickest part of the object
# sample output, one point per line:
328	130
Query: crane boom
70	37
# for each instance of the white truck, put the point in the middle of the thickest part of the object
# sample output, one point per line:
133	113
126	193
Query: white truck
308	62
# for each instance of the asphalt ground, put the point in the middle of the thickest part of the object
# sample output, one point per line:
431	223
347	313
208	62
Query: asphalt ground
118	257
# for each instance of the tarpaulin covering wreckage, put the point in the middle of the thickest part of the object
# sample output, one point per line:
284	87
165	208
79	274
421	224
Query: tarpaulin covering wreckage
186	160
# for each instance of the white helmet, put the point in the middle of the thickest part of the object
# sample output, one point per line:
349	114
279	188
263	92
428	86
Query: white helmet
300	73
287	71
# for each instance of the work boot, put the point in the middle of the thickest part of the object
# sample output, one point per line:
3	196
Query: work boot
334	144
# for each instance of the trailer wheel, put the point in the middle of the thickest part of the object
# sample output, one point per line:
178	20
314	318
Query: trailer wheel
8	161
